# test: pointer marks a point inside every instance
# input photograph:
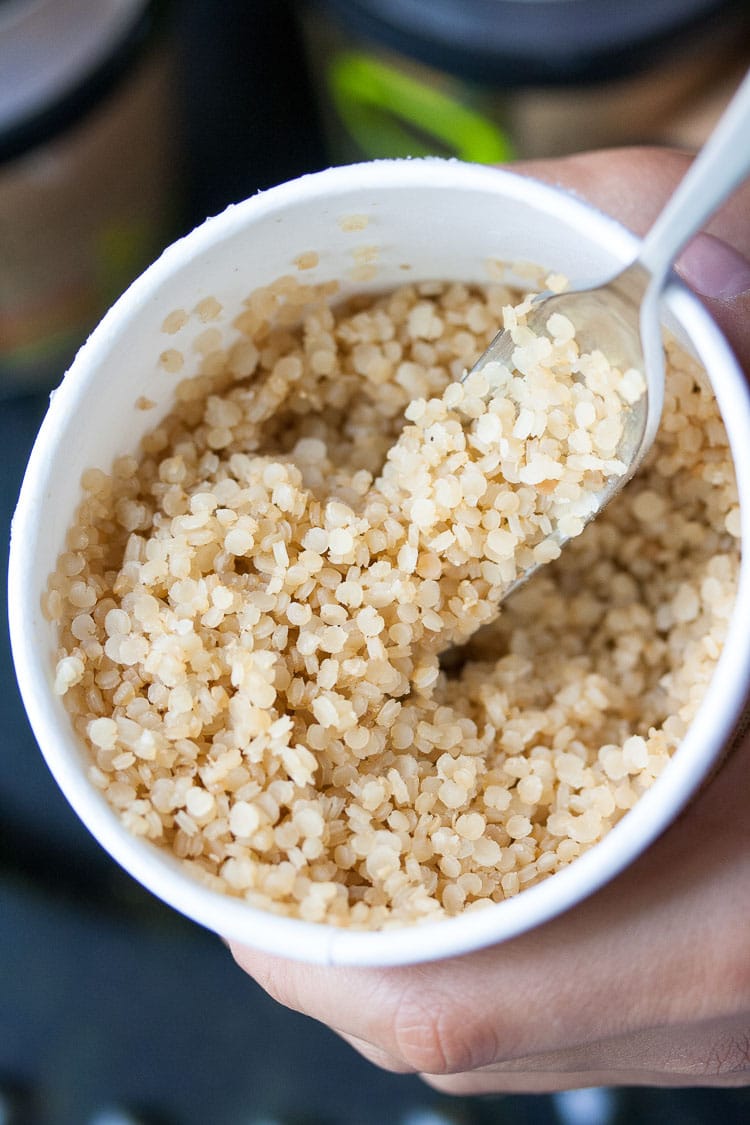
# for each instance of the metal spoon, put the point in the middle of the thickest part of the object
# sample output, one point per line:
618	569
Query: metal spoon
620	315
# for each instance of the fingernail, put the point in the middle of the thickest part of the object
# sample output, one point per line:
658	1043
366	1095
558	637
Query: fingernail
713	268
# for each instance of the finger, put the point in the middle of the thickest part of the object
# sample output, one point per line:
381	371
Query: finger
356	1003
714	268
422	1017
375	1055
704	1054
632	185
721	278
462	1085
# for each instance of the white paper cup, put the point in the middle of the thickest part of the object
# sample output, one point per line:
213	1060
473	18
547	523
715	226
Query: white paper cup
426	219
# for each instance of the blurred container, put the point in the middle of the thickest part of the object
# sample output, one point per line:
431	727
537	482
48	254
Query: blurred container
250	115
488	80
88	170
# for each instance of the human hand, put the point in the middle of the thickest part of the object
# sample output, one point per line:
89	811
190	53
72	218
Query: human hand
648	981
633	184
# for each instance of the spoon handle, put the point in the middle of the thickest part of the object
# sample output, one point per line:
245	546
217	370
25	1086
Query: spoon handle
722	164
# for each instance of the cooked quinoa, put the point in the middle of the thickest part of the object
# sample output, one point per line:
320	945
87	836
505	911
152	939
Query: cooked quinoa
280	627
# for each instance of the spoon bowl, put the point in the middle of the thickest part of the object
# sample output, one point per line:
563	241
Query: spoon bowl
606	318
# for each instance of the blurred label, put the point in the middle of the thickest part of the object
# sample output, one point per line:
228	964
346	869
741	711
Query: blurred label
80	216
389	112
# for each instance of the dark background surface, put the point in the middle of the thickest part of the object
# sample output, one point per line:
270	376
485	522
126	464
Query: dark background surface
107	998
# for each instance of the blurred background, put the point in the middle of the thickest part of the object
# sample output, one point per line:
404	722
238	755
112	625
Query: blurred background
123	124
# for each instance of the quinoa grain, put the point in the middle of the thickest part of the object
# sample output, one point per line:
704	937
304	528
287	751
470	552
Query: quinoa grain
280	631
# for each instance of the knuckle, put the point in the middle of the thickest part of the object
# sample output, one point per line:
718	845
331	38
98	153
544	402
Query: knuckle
435	1036
729	1057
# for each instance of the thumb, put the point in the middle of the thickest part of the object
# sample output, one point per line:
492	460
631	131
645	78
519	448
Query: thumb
714	269
633	184
720	275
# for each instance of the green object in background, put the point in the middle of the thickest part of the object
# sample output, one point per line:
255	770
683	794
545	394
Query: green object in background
389	113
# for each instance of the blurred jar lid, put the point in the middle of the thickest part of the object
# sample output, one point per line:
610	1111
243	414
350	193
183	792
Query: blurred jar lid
538	41
51	50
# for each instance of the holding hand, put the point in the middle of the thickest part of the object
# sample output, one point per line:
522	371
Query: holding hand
648	981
